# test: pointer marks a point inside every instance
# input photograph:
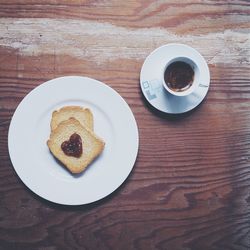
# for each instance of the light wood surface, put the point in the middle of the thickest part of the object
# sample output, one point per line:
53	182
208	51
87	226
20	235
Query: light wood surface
190	187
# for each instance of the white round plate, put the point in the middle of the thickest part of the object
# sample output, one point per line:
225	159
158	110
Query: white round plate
30	129
151	79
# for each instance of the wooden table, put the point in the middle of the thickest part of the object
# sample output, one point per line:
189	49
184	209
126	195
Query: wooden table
190	187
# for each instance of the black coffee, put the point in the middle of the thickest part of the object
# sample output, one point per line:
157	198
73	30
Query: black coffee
179	76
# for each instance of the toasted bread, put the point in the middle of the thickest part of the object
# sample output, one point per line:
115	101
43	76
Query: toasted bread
83	115
92	145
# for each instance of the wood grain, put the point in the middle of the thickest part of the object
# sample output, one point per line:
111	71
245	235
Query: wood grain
190	187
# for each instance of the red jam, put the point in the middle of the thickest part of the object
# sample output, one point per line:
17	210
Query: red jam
73	147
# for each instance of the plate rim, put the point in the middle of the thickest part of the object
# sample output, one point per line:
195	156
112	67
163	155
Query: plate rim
45	84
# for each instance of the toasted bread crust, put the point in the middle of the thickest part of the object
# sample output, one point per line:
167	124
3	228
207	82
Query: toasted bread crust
83	115
92	145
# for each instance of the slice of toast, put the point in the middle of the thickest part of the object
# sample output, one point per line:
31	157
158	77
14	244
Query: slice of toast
83	115
92	145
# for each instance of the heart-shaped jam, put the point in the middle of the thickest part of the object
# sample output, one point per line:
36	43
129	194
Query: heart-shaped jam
73	147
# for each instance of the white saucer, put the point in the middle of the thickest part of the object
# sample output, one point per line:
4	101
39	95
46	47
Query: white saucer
151	79
30	129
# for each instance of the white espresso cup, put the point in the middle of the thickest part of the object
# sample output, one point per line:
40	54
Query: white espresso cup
191	86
